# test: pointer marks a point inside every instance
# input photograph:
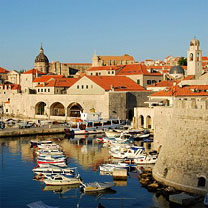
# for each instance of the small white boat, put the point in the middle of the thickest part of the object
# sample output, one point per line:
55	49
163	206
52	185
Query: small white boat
49	152
206	200
112	133
148	159
49	146
143	135
54	170
59	165
49	157
96	186
110	167
50	160
131	153
61	180
36	143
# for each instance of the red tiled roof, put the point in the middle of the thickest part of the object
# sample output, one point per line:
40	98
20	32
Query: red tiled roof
120	83
45	78
3	71
204	58
33	71
165	83
134	69
176	91
61	82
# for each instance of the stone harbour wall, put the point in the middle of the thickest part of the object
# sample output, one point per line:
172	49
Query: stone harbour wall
181	136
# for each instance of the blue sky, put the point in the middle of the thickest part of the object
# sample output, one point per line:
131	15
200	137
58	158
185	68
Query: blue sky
71	30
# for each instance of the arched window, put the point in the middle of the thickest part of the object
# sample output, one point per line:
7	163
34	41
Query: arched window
191	57
201	182
141	121
148	122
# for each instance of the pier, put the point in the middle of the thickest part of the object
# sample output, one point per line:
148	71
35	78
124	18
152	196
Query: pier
12	132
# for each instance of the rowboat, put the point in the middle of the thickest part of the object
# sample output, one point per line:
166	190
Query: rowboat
96	186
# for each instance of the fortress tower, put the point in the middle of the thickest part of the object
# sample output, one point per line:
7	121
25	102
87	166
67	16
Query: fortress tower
41	62
182	142
194	59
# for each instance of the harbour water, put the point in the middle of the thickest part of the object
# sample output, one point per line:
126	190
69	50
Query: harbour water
17	187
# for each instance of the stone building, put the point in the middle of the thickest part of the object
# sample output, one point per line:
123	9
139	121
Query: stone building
13	77
65	98
112	60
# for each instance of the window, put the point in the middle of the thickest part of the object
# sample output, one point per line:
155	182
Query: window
45	90
159	80
48	89
91	73
154	81
77	86
86	86
7	110
112	72
82	86
108	72
41	90
148	82
38	90
91	86
138	81
99	73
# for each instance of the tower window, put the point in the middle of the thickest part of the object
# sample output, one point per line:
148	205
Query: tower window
191	57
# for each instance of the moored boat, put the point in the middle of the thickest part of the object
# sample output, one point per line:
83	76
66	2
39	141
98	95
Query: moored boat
36	143
61	180
148	159
96	186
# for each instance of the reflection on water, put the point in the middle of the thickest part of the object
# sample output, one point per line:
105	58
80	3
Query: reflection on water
18	160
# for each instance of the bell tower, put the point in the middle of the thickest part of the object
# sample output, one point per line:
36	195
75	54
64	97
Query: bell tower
194	59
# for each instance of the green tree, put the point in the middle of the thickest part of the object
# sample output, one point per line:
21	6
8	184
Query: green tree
182	61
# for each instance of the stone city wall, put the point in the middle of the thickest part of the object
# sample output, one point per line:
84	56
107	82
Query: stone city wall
181	135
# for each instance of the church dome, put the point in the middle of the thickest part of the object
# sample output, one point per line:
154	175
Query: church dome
41	57
177	70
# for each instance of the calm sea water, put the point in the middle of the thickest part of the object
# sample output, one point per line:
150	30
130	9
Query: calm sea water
17	187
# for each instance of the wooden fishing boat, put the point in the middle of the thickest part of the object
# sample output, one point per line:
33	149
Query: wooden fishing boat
96	186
